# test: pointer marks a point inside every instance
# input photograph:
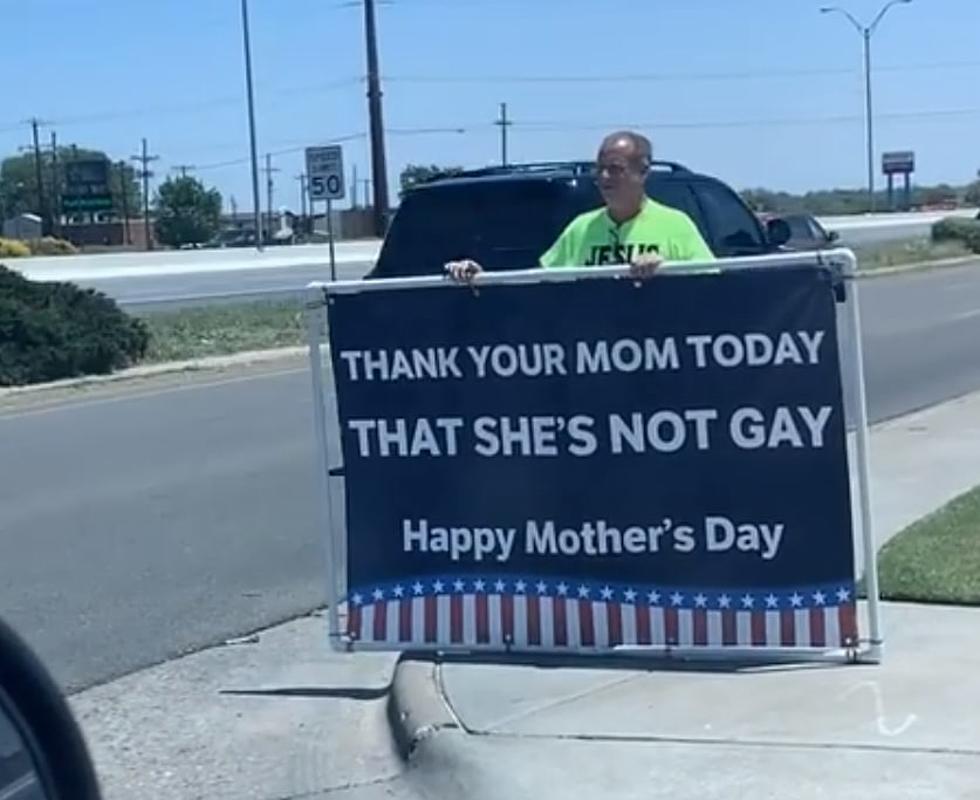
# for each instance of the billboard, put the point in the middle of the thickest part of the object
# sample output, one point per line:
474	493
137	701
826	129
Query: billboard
898	163
87	186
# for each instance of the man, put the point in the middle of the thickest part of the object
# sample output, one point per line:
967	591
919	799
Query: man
630	229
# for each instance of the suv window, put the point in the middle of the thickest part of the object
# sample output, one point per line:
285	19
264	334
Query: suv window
678	195
500	224
734	231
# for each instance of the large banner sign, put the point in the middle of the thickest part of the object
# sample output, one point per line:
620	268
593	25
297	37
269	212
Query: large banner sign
591	463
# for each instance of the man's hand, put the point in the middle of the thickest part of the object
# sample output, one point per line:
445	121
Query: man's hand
463	271
645	265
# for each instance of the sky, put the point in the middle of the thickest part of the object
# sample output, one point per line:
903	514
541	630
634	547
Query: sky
757	92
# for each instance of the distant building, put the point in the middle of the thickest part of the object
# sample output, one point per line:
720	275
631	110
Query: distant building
23	226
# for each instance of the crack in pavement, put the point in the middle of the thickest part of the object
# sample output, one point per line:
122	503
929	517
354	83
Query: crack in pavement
613	738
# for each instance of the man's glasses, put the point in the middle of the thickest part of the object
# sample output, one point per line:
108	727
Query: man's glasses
612	170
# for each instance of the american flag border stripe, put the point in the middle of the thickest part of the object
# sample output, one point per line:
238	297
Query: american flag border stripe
578	615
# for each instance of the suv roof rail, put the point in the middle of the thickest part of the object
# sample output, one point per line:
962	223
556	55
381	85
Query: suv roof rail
575	167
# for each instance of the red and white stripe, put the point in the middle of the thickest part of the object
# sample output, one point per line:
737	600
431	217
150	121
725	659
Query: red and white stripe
529	621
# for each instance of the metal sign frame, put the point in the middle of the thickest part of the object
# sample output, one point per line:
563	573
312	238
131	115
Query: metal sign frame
868	649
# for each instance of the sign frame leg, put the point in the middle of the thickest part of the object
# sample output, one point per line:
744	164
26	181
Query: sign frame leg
854	384
316	321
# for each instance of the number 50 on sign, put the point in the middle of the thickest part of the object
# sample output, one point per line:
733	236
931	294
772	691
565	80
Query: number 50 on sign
325	168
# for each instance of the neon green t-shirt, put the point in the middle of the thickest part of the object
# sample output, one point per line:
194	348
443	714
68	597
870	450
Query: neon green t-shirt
594	238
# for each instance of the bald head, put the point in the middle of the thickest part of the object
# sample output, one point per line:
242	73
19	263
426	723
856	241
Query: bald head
629	145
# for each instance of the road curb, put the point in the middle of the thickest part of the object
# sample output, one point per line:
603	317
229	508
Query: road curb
416	707
248	358
919	266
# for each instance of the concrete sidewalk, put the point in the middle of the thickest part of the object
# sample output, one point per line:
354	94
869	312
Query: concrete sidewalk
908	728
279	715
923	460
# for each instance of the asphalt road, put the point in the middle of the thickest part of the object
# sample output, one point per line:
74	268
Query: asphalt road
138	523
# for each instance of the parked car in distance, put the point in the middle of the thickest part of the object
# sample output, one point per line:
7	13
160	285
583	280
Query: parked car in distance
802	231
506	217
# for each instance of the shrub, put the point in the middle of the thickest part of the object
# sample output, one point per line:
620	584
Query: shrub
50	331
12	248
51	246
973	240
954	229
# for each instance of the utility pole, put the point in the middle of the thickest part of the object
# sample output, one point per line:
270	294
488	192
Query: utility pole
124	199
34	122
379	169
234	208
353	186
55	186
183	169
269	186
251	128
302	195
145	159
503	123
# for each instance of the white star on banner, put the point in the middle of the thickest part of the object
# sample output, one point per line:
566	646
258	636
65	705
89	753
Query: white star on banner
796	599
459	586
398	591
357	599
478	585
562	588
653	598
700	600
819	598
583	591
499	586
747	601
520	587
377	594
418	588
542	587
676	598
724	601
843	595
771	601
606	593
438	587
629	595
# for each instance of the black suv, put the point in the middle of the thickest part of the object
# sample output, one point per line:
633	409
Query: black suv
506	217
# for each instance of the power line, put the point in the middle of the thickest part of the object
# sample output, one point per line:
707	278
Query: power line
571	125
728	75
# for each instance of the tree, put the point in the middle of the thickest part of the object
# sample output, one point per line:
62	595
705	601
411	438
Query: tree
941	195
420	173
972	195
186	212
18	181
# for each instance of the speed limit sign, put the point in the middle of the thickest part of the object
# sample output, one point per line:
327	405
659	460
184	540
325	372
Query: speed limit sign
325	171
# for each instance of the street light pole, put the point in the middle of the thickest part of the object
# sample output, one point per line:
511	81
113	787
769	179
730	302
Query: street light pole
257	214
867	31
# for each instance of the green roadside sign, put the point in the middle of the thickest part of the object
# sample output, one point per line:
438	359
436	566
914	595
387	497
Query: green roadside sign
87	186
